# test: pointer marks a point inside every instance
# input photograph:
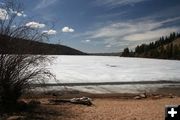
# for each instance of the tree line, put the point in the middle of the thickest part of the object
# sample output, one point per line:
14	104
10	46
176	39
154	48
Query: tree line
164	48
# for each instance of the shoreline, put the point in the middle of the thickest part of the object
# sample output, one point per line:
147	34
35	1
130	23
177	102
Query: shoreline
108	91
109	83
105	106
114	106
70	93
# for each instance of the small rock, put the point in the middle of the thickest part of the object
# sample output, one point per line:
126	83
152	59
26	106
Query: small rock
86	98
143	96
83	100
171	96
137	97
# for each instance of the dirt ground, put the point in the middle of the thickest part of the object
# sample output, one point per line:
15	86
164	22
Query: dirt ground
102	109
114	109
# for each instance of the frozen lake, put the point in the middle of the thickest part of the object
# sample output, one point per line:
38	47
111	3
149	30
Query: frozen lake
92	69
78	69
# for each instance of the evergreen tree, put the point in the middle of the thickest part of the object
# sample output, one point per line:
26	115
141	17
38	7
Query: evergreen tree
126	52
162	48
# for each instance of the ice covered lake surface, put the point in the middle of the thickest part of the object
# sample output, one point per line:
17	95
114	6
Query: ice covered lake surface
100	69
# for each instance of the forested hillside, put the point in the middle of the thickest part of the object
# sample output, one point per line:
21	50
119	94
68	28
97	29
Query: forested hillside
165	48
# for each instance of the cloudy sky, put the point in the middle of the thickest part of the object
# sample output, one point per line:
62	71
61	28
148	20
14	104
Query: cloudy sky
103	25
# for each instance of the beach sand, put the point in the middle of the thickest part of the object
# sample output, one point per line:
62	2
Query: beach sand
105	106
116	109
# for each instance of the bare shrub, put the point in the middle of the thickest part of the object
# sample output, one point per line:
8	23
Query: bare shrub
19	72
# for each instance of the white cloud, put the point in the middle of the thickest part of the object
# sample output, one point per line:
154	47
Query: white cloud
24	15
18	13
154	34
112	3
108	46
67	29
45	3
111	15
50	32
86	41
132	32
35	25
3	14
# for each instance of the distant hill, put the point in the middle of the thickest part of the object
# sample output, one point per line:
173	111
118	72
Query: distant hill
165	48
15	45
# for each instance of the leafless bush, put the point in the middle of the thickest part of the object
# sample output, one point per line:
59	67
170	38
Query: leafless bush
18	72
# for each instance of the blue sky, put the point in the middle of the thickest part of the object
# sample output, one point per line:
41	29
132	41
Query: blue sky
104	25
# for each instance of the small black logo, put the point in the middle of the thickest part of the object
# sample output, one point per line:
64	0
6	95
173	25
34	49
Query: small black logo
172	112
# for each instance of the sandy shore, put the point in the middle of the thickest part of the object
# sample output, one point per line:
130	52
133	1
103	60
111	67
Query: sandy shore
105	106
117	109
104	109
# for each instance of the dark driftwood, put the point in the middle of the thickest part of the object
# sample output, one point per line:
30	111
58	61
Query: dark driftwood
82	101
